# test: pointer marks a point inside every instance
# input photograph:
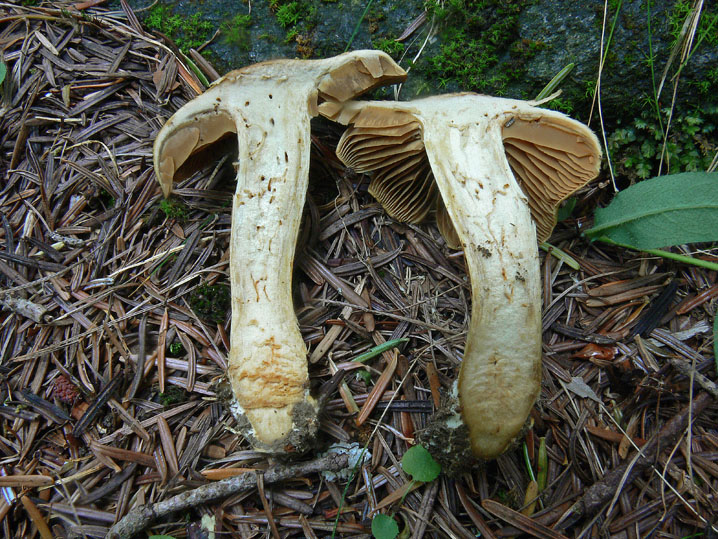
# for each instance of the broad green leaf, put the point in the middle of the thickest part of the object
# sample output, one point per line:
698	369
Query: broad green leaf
384	527
3	71
662	211
420	465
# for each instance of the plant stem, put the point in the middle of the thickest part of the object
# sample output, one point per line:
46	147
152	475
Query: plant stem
141	517
665	254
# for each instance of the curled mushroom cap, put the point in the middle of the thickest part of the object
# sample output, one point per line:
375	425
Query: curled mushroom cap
268	107
502	167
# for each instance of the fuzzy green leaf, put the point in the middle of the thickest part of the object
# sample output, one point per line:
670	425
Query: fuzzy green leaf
420	465
3	71
384	527
662	211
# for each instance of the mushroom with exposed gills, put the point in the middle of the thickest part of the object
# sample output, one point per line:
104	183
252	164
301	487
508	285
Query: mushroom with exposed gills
268	107
502	167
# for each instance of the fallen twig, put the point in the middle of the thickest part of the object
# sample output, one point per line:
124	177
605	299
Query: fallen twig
140	518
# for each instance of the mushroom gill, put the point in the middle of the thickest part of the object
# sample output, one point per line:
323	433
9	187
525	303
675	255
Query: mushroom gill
551	161
548	157
389	142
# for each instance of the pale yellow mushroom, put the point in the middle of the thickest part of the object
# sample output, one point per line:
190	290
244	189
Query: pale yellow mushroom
268	107
501	167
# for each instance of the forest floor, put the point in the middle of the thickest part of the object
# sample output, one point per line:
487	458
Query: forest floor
115	322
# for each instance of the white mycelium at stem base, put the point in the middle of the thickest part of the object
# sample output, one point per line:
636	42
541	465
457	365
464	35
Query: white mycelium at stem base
469	141
269	106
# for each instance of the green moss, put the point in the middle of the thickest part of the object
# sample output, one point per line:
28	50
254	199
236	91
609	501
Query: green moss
172	395
177	349
236	31
211	302
289	14
107	199
174	209
561	105
298	18
479	50
188	32
393	48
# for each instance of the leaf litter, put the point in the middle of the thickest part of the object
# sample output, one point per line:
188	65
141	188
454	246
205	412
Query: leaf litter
109	367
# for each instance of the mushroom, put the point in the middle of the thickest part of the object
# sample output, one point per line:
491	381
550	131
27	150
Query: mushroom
502	167
268	106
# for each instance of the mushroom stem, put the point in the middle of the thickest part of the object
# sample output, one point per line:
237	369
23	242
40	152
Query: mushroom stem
269	106
474	144
501	370
267	208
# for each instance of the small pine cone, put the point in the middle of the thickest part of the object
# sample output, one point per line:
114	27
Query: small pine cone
65	391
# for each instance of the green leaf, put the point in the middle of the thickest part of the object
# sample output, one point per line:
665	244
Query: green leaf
564	212
384	527
3	71
419	463
365	376
661	212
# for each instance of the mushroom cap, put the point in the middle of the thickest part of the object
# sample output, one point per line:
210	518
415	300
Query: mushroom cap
214	115
550	154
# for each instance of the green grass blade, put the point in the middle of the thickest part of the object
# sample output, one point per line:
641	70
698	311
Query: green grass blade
527	462
561	255
373	352
356	28
553	84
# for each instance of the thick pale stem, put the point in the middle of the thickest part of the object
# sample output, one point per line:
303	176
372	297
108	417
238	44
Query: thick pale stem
266	362
269	107
491	218
501	370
